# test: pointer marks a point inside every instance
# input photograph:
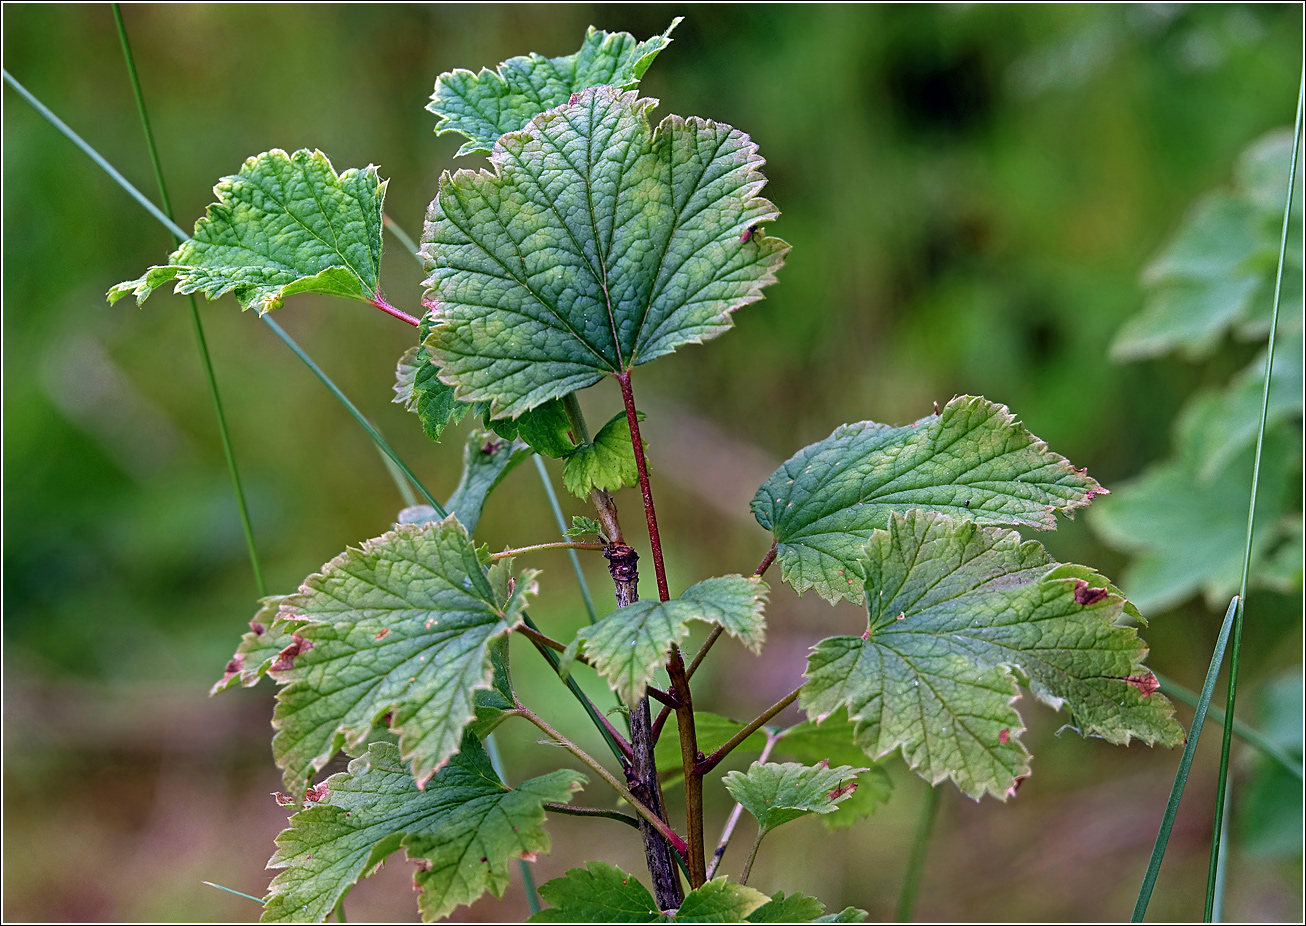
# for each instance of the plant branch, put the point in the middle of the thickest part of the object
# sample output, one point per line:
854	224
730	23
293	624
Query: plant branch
552	545
689	757
540	639
641	464
574	811
714	760
649	816
733	821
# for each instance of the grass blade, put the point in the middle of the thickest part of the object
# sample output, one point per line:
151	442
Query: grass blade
1213	874
920	847
205	360
230	890
1185	763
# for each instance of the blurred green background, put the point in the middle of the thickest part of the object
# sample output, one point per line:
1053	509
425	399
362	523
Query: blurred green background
970	192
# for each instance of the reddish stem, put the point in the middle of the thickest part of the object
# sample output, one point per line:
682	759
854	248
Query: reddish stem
654	539
388	309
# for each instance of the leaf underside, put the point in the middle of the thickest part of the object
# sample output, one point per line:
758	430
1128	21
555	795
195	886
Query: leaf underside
462	831
958	616
594	245
400	630
287	223
483	106
629	645
973	460
776	793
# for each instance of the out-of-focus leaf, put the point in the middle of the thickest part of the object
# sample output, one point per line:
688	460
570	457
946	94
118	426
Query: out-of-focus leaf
402	626
629	645
595	244
462	830
795	908
485	105
1270	806
973	460
712	731
287	223
958	616
602	893
608	462
487	458
776	793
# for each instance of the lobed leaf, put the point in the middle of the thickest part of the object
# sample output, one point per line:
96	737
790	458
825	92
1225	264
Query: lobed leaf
462	831
483	106
287	223
258	648
418	389
594	245
833	741
607	462
973	460
959	615
603	893
400	628
629	645
776	793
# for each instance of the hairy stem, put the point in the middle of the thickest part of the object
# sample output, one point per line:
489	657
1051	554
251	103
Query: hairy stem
649	816
388	309
552	545
714	760
733	821
574	811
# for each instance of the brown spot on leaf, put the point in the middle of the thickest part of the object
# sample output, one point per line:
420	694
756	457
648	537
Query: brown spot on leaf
286	658
866	635
316	793
1004	736
936	408
824	763
1086	596
383	633
848	787
530	857
491	447
422	864
1144	683
430	303
1015	786
574	98
234	665
282	800
257	628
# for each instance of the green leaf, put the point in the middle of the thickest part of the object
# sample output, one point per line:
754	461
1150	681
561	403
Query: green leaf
491	705
597	893
776	793
629	645
287	223
582	526
462	831
958	615
487	458
1188	534
602	893
401	627
846	915
606	463
795	908
546	428
418	389
594	245
483	106
1269	812
712	731
258	648
973	460
833	740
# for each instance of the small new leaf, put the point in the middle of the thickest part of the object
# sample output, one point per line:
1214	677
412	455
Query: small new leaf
287	223
776	793
606	463
462	831
629	645
603	893
958	616
833	741
973	460
401	627
595	244
483	106
583	527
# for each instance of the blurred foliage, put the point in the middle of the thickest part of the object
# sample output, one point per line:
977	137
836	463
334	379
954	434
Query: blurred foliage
971	192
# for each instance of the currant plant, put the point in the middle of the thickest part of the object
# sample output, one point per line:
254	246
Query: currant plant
593	242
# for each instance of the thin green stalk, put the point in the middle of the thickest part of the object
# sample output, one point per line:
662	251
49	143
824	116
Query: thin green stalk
234	891
404	238
528	880
1249	735
1185	763
205	360
1212	872
920	848
752	856
405	490
340	911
